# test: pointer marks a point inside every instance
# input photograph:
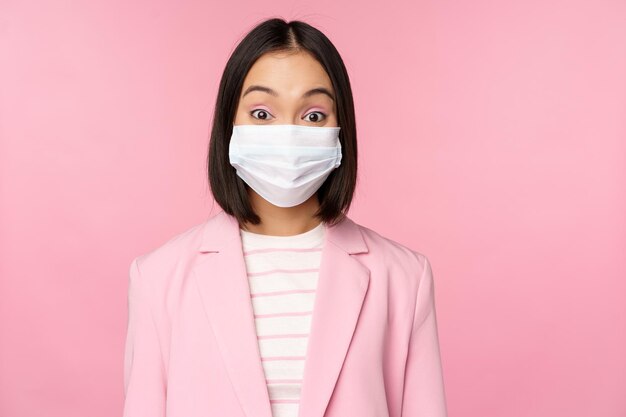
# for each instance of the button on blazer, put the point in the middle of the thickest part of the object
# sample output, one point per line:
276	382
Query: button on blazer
191	347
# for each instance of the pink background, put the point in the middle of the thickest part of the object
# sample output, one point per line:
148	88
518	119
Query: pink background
492	139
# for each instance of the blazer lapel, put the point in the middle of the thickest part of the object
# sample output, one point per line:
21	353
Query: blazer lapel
223	284
341	288
222	281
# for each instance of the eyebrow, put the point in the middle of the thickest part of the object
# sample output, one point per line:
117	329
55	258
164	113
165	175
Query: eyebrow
318	90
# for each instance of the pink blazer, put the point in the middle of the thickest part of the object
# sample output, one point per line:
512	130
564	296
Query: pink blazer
191	347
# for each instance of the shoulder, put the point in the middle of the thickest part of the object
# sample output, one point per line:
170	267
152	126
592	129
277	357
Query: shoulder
396	258
391	250
404	272
171	253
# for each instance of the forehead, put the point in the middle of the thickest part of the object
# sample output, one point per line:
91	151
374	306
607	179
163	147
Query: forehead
287	71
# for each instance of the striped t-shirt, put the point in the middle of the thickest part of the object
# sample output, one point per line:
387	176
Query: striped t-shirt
282	275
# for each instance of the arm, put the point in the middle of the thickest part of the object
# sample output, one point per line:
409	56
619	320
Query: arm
144	374
424	394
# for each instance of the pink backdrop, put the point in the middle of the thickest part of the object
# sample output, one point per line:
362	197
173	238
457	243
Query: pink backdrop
492	139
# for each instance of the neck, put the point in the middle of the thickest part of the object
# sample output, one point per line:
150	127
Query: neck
282	221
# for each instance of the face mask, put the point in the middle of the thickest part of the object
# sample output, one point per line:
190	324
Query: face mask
284	164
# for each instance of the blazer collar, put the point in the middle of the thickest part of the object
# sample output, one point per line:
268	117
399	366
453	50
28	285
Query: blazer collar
220	229
221	278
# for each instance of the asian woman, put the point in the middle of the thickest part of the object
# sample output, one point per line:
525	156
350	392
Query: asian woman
280	305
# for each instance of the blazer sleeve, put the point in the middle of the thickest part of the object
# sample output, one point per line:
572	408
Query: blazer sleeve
423	392
144	373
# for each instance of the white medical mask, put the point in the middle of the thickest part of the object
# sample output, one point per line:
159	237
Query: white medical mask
284	164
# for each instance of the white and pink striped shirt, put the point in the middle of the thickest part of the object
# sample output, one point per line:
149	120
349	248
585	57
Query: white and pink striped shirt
282	274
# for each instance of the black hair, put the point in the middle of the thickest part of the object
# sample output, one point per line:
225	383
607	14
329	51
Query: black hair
278	35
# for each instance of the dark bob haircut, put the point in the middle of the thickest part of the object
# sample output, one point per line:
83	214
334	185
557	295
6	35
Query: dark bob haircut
277	35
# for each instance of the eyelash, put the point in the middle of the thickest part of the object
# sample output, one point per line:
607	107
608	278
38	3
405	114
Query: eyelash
322	113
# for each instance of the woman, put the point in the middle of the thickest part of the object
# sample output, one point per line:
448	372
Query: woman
280	304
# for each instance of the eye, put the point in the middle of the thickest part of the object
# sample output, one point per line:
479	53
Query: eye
315	117
263	114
